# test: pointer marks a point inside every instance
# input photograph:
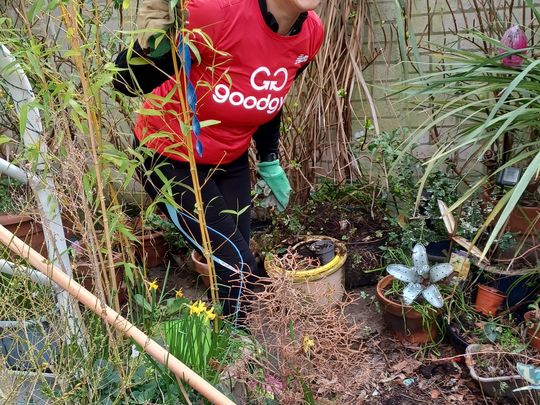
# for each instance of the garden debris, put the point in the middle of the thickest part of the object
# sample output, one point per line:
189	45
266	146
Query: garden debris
336	365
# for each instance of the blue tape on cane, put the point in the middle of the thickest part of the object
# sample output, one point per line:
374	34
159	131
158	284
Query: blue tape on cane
183	49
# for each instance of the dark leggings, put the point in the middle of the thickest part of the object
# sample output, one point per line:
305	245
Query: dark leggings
226	196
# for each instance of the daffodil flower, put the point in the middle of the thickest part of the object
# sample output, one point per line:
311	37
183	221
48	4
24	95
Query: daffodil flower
198	307
307	344
421	278
153	285
210	314
179	293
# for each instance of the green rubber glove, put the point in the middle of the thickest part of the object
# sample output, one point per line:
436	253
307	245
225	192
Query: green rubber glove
274	176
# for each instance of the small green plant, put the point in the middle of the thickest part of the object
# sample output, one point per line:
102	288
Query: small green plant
415	219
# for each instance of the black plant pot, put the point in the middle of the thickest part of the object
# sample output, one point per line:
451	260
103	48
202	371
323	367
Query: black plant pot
438	252
454	337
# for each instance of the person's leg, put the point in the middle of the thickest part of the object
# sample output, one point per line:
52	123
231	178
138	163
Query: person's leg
232	258
235	186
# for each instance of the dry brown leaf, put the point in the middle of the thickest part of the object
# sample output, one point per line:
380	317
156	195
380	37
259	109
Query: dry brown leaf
407	365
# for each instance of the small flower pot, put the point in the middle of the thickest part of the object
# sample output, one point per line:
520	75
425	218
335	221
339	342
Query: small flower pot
533	330
152	249
323	285
27	229
201	267
406	323
488	300
521	218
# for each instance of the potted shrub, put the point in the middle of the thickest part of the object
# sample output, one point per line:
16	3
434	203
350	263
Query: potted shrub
492	97
151	248
397	291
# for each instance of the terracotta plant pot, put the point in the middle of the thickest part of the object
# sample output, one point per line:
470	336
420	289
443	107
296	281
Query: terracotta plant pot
405	322
488	300
533	332
84	274
152	249
27	229
521	218
201	267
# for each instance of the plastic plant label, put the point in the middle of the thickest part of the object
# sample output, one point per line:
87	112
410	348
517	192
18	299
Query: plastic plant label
460	263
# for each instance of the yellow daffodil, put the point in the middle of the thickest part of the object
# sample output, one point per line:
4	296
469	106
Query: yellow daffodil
197	308
210	314
307	344
153	285
179	293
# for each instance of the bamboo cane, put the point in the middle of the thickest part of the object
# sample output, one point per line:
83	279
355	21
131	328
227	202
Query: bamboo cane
113	318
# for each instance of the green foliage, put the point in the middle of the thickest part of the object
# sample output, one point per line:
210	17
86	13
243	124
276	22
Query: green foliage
416	220
9	188
497	109
351	191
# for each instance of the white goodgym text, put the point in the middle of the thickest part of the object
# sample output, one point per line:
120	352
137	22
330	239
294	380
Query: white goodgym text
261	80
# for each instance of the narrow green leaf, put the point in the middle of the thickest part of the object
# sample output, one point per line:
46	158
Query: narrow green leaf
23	117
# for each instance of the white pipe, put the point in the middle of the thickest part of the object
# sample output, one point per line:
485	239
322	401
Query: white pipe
12	269
13	171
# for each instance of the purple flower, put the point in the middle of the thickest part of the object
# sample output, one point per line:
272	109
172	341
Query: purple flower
513	38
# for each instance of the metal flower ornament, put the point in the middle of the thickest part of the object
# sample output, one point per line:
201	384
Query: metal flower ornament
421	278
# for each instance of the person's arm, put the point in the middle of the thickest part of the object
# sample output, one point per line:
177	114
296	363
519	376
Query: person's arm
134	79
266	137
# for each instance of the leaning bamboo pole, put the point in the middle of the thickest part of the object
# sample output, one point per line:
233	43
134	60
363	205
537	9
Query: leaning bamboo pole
112	317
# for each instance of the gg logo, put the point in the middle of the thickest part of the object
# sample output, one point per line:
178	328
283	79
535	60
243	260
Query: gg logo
263	79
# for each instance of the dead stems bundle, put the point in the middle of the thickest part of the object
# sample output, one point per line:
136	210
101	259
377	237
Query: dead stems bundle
306	349
319	117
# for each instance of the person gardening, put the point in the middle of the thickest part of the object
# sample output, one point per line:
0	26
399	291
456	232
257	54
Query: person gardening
245	55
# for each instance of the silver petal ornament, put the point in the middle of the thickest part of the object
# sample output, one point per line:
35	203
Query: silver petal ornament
440	271
403	273
411	291
420	260
433	296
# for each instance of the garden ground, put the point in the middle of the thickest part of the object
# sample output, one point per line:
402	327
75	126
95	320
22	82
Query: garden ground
406	374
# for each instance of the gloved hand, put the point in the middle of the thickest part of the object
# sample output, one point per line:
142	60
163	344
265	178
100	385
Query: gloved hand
153	16
274	176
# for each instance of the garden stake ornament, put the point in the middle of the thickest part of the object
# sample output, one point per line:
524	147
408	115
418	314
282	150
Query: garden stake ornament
421	278
112	317
531	374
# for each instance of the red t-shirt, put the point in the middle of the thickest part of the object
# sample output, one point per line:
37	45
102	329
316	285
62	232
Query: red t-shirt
242	82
